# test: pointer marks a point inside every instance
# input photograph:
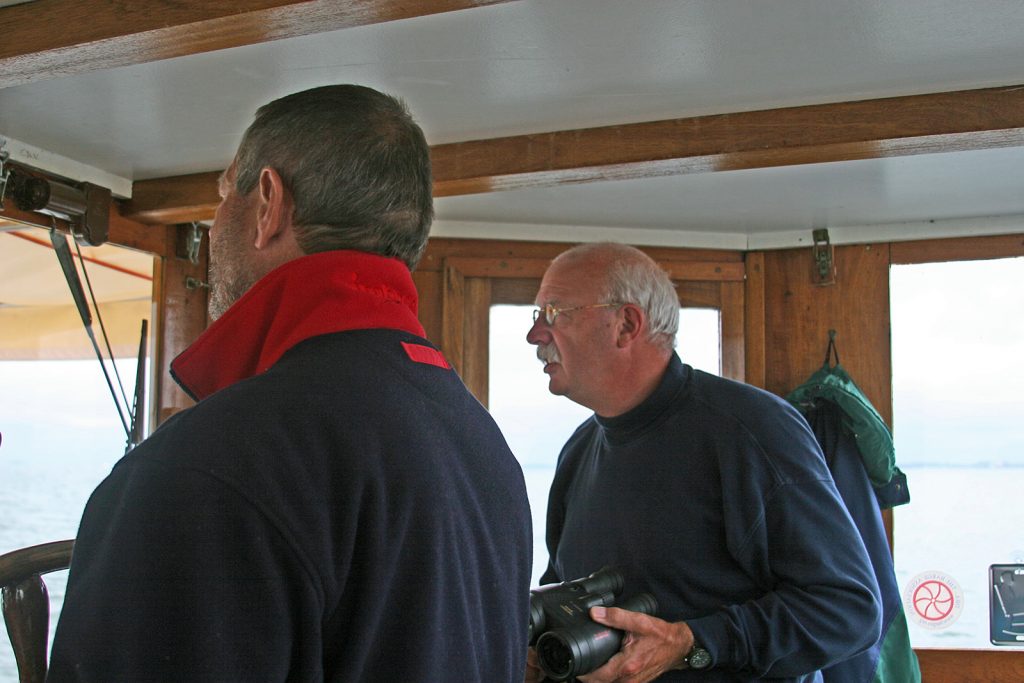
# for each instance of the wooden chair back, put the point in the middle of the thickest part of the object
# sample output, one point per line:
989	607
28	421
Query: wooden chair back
26	603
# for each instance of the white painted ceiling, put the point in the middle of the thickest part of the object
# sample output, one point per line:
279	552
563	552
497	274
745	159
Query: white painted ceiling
534	66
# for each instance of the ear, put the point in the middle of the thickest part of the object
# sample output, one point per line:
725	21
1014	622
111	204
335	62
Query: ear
273	209
632	324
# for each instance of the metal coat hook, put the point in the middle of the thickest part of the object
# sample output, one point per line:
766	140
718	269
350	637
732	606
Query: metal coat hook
831	351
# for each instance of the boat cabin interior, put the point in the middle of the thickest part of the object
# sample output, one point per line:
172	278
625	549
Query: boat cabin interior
778	158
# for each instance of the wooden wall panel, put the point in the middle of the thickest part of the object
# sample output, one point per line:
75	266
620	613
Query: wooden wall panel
799	314
476	337
440	248
514	291
753	319
733	363
428	284
453	316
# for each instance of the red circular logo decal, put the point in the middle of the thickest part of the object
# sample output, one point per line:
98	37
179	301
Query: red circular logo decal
933	600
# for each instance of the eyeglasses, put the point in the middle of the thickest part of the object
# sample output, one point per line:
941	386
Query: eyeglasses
551	313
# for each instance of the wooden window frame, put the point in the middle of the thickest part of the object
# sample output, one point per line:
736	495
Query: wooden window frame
473	284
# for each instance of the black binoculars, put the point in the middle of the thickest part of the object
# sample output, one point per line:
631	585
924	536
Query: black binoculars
568	642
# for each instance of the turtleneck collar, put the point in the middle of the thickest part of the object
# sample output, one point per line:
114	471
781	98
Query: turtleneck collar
624	427
331	291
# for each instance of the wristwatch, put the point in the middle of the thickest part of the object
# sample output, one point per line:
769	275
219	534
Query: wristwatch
697	658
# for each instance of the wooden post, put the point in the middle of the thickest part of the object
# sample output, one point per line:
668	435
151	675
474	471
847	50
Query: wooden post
180	293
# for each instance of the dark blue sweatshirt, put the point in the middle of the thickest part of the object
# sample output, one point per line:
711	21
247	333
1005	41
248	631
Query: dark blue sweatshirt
714	496
349	514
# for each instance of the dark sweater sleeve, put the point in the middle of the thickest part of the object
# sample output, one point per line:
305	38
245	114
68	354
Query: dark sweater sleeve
823	606
176	576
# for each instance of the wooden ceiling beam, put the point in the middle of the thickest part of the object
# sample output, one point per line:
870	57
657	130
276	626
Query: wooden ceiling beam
868	129
98	34
178	199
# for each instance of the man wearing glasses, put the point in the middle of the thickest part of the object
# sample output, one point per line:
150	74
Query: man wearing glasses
710	494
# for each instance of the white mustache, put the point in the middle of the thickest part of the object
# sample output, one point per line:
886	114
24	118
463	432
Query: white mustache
548	353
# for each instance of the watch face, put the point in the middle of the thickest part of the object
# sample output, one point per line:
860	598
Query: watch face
699	658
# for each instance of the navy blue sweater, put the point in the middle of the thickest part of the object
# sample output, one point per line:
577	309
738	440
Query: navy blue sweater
348	515
714	496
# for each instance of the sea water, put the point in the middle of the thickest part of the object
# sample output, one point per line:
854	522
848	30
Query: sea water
42	496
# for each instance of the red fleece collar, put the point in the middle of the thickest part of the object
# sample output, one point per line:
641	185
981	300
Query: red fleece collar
331	291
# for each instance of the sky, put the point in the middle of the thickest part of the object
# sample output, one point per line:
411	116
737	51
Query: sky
957	367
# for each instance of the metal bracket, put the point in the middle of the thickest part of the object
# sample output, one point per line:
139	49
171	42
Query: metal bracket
195	240
824	258
193	283
95	221
4	173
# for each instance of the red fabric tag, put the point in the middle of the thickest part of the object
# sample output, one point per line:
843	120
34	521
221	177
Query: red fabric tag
425	354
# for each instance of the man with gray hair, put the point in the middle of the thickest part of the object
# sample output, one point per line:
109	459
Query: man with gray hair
337	506
707	493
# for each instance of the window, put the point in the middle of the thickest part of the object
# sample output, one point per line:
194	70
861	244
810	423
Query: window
60	433
535	423
61	436
957	334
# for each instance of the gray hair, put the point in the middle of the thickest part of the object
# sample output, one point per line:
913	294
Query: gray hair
632	277
356	163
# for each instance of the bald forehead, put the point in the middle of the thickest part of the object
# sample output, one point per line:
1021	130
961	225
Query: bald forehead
603	254
572	280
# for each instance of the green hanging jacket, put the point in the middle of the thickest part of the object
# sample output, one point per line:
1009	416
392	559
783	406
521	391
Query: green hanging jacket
859	418
862	421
